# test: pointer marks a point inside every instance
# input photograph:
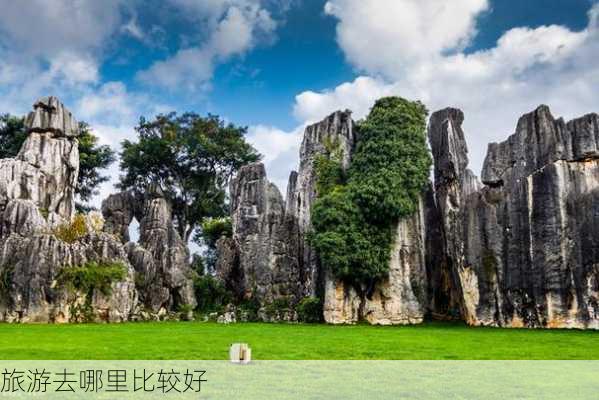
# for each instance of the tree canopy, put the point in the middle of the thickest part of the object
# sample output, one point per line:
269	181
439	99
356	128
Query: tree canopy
355	214
191	158
92	157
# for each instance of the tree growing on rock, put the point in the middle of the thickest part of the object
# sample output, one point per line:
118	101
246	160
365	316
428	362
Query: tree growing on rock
191	158
93	158
356	212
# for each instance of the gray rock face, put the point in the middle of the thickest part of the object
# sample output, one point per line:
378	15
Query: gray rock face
118	210
401	298
522	247
50	115
257	262
161	258
338	129
31	258
37	192
45	170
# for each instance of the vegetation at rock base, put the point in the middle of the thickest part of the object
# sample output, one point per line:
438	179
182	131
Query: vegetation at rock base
6	278
211	295
211	341
355	215
92	276
211	230
309	310
92	157
191	158
72	231
87	278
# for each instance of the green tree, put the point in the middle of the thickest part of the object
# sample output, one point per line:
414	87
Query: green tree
354	216
92	157
12	135
191	158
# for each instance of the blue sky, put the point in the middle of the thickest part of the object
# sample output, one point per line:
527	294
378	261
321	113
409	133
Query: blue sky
276	65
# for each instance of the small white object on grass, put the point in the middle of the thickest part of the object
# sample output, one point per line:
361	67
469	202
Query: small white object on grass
240	353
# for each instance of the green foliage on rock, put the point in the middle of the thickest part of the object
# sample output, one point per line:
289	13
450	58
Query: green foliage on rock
213	229
354	216
309	310
328	168
92	276
391	164
191	159
72	231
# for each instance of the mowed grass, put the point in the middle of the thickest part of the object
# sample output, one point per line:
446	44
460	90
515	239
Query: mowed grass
210	341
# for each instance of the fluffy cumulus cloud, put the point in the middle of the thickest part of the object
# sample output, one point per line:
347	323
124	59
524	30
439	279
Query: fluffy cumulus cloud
236	26
389	36
280	151
415	49
52	45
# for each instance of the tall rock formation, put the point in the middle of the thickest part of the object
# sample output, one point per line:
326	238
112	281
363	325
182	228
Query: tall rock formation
37	192
263	268
337	129
270	258
46	168
523	247
160	257
399	299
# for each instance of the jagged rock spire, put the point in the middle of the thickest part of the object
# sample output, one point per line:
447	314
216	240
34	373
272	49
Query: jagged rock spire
50	115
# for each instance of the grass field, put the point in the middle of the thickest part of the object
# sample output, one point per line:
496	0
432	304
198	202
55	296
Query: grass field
209	341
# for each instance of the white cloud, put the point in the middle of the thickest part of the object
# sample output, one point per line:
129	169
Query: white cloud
381	36
52	47
238	30
44	28
280	150
356	96
547	65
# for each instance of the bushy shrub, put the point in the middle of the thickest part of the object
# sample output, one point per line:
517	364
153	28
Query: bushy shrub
215	228
211	230
6	279
87	278
250	308
71	232
92	276
211	294
309	310
354	216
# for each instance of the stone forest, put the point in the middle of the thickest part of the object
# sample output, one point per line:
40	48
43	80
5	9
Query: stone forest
518	247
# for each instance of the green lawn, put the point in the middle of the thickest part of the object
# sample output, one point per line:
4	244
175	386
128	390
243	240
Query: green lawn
209	341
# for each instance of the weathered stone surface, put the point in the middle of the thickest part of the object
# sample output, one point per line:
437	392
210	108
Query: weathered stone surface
31	265
118	210
338	129
50	115
45	170
257	262
161	258
37	192
523	247
22	217
401	298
